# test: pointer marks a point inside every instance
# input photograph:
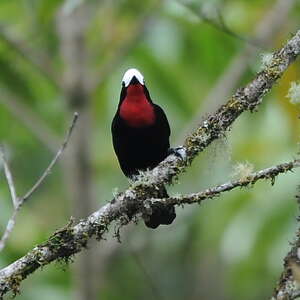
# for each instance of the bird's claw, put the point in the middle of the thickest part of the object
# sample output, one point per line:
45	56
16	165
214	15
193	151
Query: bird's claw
178	152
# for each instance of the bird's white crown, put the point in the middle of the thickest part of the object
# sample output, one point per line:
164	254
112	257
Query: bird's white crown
129	74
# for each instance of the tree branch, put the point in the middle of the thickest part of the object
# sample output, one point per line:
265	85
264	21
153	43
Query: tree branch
134	201
11	223
72	239
219	23
52	163
18	202
216	125
9	179
287	287
251	179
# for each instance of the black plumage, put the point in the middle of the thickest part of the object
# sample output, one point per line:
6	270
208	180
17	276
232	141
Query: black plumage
144	146
141	148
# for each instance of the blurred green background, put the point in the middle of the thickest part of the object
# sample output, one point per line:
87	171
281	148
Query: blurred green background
57	57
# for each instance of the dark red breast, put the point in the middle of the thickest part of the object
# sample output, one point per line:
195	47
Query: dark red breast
135	109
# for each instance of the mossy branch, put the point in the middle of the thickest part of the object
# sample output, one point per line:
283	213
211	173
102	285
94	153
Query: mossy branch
135	200
288	287
72	239
251	179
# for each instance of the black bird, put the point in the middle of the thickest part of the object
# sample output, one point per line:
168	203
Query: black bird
140	133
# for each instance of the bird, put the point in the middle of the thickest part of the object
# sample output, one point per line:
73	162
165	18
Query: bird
140	135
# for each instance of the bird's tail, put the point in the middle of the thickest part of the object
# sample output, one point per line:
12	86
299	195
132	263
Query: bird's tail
162	214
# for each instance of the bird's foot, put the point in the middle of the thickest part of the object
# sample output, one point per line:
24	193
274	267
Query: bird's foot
178	152
132	178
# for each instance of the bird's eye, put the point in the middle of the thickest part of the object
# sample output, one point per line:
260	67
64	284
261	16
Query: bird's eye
123	84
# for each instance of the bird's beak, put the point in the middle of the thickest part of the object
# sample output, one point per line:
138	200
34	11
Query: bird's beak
134	80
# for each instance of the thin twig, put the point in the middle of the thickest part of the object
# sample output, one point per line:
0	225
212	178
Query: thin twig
9	178
269	173
220	24
9	228
11	222
52	163
18	202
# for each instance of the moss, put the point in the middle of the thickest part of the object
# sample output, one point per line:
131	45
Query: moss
273	71
14	282
62	244
99	230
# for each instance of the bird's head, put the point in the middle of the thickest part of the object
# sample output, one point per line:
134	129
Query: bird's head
133	85
131	77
